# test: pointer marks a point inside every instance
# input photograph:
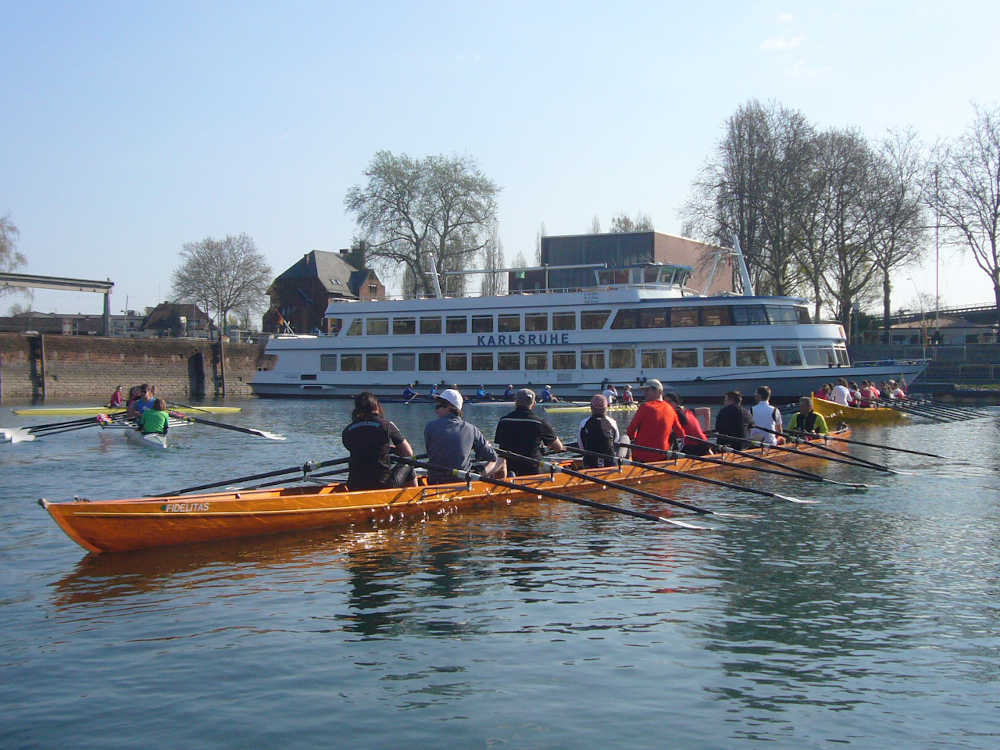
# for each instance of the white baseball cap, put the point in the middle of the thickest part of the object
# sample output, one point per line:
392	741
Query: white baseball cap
452	396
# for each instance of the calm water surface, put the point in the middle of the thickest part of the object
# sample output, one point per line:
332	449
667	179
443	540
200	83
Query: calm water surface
867	619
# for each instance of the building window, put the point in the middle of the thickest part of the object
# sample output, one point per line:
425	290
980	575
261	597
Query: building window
509	361
454	324
377	362
683	357
508	323
350	363
592	360
430	361
717	357
751	356
377	326
592	320
482	361
328	362
786	356
536	361
654	359
564	321
404	362
482	324
404	326
620	358
563	360
430	325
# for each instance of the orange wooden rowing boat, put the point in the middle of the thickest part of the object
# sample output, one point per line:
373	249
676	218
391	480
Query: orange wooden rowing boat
131	524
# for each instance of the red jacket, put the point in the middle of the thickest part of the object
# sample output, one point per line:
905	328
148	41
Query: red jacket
653	425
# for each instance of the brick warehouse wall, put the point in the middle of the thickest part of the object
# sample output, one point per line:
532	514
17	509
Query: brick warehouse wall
89	367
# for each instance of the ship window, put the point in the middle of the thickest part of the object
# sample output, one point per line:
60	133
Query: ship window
803	313
355	328
482	361
819	356
482	324
455	362
310	376
751	356
564	321
591	320
536	321
654	358
404	326
625	320
654	317
683	316
430	361
683	357
748	315
782	314
430	325
592	360
536	361
377	362
328	362
404	362
717	357
350	363
333	325
455	324
377	326
716	316
650	275
622	358
786	356
563	360
509	361
508	323
842	358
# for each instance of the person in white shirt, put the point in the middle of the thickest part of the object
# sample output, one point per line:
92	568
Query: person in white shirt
841	393
766	416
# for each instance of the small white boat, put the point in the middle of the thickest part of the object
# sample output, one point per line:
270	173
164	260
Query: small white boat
152	440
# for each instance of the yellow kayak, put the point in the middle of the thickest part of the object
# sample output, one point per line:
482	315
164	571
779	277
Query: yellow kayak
586	409
86	411
835	413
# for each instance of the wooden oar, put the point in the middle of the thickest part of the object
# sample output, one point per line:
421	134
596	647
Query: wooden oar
469	476
870	445
845	458
560	469
916	412
188	406
689	475
306	468
33	432
788	471
224	426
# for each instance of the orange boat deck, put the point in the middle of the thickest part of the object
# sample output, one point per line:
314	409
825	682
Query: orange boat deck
131	524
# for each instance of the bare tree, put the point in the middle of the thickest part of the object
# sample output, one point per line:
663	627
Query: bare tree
494	281
967	198
595	225
421	214
538	247
10	258
222	275
622	223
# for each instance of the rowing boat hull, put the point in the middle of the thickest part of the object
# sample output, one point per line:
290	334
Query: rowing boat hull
153	441
614	408
85	411
124	525
835	413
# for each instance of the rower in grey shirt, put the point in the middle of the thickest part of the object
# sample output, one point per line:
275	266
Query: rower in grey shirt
452	442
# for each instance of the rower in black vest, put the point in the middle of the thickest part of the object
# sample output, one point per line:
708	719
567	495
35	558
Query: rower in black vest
598	433
808	420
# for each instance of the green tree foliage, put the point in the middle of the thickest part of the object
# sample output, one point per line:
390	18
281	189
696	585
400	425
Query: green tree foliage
416	214
222	275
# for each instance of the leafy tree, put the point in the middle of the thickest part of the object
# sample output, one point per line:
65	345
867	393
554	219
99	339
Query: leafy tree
222	275
417	214
10	258
967	192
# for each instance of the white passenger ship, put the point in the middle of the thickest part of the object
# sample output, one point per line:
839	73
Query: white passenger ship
635	323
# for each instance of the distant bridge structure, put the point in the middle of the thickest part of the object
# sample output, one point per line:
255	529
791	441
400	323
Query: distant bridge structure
972	313
32	281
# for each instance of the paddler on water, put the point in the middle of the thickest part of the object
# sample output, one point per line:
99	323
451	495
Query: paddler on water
548	396
155	420
408	392
654	425
808	420
525	433
117	400
452	442
695	441
370	438
598	433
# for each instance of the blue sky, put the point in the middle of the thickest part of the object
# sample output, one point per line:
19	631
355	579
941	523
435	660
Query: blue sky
133	128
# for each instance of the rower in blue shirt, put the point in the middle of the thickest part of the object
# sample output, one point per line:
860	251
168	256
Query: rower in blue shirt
548	395
481	392
408	392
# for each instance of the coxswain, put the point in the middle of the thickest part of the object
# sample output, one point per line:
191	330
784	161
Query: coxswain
371	438
766	416
451	442
548	396
695	441
155	420
732	422
525	433
598	433
807	420
117	400
655	424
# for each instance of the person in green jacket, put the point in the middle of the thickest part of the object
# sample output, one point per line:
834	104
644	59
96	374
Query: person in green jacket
808	420
155	420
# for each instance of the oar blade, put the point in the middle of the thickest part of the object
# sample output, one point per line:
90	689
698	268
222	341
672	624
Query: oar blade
798	500
268	435
16	435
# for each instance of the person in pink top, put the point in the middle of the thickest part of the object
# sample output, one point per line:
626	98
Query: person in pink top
695	441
